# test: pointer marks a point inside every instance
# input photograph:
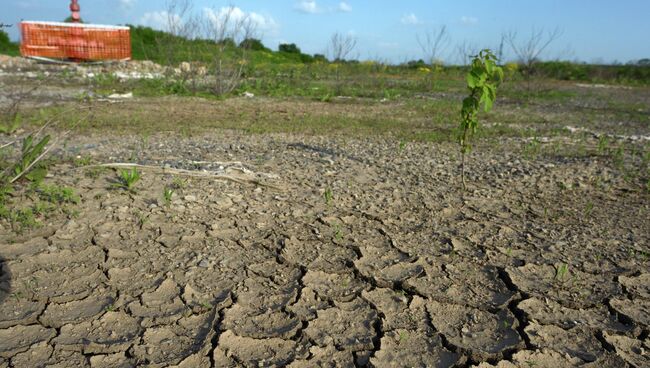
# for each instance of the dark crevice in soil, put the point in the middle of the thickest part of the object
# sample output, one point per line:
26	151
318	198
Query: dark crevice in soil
600	336
410	292
618	316
462	356
217	328
378	325
519	314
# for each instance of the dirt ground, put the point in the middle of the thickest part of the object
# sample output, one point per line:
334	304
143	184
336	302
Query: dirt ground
331	251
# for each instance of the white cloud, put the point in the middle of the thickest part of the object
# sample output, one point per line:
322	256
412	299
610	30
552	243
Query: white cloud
468	20
345	7
235	16
308	6
161	20
410	19
126	4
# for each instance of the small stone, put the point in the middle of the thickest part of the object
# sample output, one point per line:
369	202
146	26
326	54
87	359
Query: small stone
190	198
204	263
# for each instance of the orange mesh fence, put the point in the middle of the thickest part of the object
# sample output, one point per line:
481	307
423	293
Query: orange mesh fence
75	41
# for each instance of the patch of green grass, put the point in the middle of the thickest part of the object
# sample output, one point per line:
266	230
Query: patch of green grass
58	194
22	219
168	193
82	161
127	179
328	196
561	272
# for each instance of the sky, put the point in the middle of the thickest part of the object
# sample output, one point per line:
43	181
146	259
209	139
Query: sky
388	30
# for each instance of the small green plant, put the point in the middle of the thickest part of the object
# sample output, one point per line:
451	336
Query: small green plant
589	209
168	193
31	153
561	272
403	337
603	144
11	123
57	194
338	233
328	196
178	183
142	219
532	148
127	179
42	208
619	157
482	81
22	219
82	161
326	98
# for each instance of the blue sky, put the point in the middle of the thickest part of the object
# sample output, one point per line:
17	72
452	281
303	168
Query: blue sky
592	30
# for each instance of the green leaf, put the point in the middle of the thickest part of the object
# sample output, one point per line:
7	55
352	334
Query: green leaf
489	66
473	79
37	175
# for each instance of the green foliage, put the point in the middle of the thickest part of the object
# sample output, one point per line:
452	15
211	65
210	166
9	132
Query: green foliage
178	183
10	122
168	193
8	47
328	196
128	178
565	70
27	166
289	48
22	219
482	81
58	194
561	272
253	44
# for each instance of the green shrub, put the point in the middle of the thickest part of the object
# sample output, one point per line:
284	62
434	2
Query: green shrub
6	46
253	44
289	48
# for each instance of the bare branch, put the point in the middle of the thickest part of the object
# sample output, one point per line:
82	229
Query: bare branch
529	50
341	46
433	43
465	51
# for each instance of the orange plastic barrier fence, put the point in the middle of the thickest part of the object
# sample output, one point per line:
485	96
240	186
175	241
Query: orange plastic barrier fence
73	41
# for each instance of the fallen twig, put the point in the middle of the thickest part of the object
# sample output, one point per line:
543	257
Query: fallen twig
190	173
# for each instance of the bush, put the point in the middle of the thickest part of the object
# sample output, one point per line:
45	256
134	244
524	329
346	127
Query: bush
320	58
6	46
564	70
253	44
416	64
289	48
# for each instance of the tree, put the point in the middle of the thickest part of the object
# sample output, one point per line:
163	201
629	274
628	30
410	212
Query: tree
227	28
643	62
341	46
253	44
466	51
482	81
529	50
289	48
433	43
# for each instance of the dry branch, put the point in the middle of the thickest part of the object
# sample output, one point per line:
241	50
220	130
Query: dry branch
191	173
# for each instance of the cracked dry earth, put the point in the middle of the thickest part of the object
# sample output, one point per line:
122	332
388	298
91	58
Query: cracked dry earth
398	269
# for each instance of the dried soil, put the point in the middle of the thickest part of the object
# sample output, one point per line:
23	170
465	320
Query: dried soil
398	267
